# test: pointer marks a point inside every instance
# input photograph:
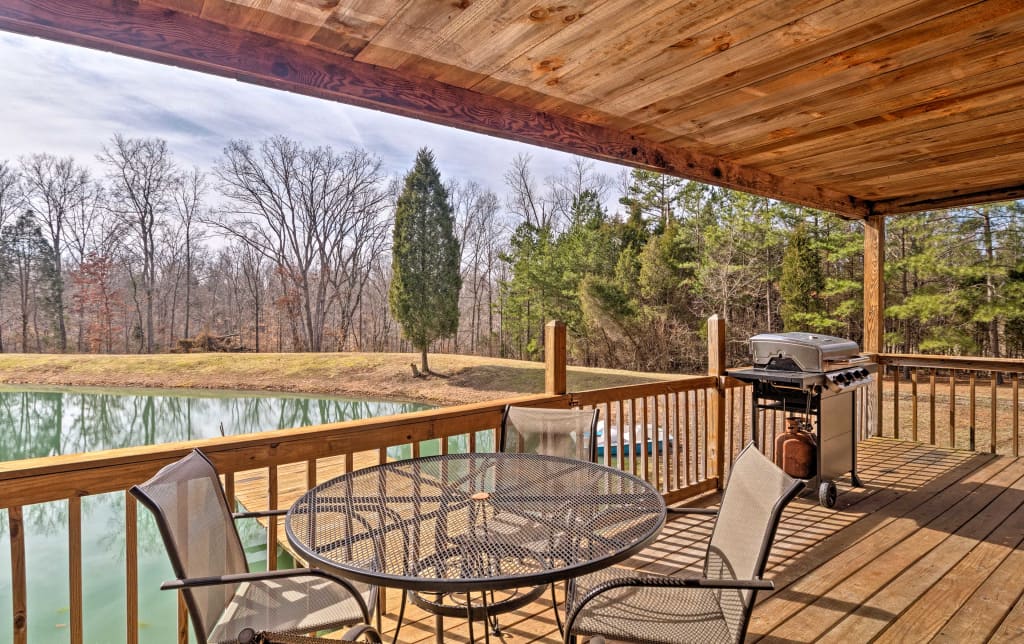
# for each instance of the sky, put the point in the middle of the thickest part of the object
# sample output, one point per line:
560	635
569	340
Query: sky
69	100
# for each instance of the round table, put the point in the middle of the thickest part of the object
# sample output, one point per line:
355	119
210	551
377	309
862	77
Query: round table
474	522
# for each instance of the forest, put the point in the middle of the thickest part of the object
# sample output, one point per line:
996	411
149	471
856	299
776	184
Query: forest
283	247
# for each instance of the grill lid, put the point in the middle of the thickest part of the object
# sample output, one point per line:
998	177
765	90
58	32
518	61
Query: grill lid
800	351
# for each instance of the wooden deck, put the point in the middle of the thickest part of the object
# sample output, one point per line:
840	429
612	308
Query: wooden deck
930	550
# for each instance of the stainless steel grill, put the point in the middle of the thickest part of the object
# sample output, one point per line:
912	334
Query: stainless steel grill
818	378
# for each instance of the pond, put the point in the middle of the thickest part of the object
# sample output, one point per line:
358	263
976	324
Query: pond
65	421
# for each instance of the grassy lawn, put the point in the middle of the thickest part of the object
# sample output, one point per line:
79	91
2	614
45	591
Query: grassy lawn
364	375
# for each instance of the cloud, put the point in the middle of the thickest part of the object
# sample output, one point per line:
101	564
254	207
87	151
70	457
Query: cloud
70	100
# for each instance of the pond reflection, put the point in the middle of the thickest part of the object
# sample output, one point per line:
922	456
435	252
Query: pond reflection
51	422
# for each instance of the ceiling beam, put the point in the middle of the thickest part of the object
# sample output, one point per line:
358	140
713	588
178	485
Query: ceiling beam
950	199
164	36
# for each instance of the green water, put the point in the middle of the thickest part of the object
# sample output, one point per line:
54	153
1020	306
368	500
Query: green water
50	422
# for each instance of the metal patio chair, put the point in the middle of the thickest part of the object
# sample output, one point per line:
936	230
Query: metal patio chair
627	605
225	600
568	433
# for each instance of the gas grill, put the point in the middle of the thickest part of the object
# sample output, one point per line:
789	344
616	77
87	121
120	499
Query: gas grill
817	378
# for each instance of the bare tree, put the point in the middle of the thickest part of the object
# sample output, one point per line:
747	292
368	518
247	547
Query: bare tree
142	177
478	232
54	189
578	177
525	200
188	202
315	214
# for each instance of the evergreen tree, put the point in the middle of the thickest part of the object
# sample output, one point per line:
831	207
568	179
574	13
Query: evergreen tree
425	285
28	260
802	284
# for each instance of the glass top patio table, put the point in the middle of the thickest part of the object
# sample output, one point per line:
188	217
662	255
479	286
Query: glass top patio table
473	522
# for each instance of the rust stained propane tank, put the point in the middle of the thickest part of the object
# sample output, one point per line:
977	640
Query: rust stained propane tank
796	450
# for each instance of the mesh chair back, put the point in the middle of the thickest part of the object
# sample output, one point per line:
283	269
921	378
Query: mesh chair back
190	508
568	433
745	528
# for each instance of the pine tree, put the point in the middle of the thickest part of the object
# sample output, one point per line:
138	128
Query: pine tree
425	281
802	284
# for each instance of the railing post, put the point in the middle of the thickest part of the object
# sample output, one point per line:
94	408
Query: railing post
874	311
554	358
717	406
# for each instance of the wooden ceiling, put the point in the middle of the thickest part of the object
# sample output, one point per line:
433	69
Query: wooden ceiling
860	107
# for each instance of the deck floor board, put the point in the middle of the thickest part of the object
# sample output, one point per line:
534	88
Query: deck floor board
932	548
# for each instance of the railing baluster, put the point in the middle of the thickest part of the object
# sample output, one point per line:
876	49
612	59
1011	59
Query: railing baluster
913	403
688	453
606	435
645	460
1015	416
931	408
972	406
952	408
311	473
677	460
182	619
896	403
229	490
131	563
621	424
19	582
75	567
664	436
272	521
993	403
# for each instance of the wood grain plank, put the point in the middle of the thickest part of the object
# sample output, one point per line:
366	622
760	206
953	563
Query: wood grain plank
977	619
186	41
889	559
841	35
804	102
945	144
945	198
926	592
845	557
906	127
470	40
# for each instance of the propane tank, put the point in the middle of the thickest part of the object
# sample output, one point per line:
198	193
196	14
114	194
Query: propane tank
796	449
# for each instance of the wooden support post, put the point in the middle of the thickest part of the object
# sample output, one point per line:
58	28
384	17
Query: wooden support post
554	358
717	407
874	309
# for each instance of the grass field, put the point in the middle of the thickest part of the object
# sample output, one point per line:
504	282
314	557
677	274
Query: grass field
364	375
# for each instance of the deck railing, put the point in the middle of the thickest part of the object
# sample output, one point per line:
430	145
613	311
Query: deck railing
680	435
675	452
949	401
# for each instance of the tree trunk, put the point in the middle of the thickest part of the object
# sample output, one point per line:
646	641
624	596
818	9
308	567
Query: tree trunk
424	369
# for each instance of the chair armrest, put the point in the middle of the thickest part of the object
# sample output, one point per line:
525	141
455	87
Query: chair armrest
707	511
259	513
237	578
681	582
661	582
362	630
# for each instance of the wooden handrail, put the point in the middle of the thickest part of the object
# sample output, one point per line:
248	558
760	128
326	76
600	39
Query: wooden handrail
599	396
52	478
1003	365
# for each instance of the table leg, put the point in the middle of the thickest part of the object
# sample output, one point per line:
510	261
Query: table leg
401	616
438	629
